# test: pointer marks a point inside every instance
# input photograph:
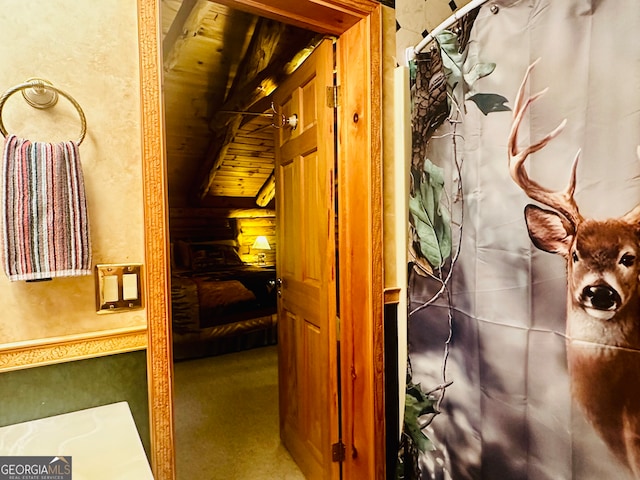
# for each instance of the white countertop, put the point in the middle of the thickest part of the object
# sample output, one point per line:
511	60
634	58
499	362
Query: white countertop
103	442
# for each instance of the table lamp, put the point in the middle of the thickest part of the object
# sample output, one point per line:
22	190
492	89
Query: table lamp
261	243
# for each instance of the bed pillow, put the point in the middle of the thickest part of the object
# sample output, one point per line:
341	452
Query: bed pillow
205	256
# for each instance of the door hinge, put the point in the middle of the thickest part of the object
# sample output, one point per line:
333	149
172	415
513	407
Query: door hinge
338	452
333	96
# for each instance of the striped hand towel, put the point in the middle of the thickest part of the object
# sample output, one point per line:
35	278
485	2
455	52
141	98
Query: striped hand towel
46	230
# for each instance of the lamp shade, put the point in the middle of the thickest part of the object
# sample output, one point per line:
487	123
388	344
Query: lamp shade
261	243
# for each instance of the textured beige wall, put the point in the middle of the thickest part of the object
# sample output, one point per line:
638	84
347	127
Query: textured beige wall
89	50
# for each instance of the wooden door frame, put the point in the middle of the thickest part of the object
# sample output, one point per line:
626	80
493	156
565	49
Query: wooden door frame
358	24
360	238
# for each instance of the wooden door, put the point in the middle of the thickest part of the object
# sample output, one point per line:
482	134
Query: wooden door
306	267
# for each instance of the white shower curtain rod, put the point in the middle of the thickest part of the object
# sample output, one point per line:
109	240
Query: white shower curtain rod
411	52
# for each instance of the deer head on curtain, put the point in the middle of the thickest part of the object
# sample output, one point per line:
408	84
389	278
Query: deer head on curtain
603	309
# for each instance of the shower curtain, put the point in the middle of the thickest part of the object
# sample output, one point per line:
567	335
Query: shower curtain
487	329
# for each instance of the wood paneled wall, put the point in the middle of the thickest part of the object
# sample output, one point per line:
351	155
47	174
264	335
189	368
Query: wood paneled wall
249	228
213	223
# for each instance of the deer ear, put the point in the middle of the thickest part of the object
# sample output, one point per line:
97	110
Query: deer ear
632	216
548	230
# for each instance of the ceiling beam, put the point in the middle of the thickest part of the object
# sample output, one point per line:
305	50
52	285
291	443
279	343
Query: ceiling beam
262	47
224	126
251	71
267	62
267	191
246	95
185	24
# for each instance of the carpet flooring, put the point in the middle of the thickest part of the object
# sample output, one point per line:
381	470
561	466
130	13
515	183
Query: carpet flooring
226	417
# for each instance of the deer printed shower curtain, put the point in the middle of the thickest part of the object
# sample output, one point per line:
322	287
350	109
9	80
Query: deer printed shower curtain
524	333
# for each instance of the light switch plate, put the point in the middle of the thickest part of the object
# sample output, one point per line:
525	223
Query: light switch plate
118	287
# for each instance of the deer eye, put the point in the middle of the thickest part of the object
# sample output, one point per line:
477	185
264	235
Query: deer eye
627	260
574	257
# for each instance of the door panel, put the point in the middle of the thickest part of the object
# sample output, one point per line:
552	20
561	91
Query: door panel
305	264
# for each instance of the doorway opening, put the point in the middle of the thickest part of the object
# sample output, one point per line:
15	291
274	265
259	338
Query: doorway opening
221	210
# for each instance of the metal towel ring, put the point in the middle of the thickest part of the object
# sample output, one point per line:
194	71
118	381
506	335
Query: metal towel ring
39	84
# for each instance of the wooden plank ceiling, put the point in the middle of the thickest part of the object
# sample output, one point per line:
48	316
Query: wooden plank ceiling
218	60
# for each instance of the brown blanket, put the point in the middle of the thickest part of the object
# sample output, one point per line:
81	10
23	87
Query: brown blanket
222	293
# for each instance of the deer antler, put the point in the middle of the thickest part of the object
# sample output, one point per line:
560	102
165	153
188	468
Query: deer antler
561	201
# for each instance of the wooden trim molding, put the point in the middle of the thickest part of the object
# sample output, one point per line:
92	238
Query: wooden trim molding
360	217
361	251
159	358
19	355
333	16
392	295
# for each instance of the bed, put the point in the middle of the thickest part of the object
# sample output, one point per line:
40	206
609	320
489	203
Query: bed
220	304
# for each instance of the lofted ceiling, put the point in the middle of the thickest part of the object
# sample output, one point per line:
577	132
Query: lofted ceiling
218	60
